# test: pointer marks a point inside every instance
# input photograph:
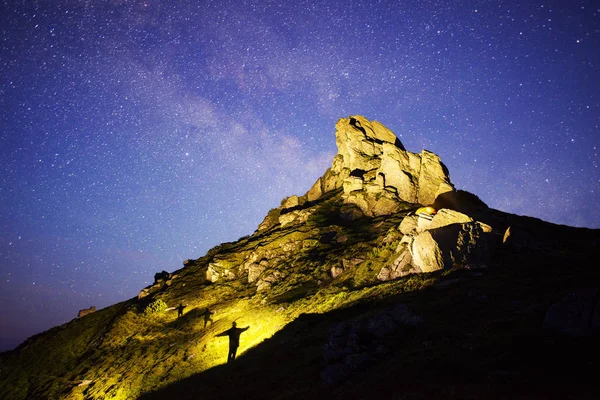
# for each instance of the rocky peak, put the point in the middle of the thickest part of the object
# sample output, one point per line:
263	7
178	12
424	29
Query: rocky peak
376	172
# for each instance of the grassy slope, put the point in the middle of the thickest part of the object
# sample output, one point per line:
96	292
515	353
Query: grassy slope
481	338
123	353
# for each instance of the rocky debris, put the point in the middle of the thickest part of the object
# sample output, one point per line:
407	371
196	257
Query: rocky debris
575	315
255	269
161	276
341	239
220	269
356	343
86	311
266	281
347	264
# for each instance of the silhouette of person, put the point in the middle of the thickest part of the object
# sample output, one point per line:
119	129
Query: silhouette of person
207	317
180	310
234	340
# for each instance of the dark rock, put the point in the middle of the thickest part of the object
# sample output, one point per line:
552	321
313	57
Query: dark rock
161	276
86	311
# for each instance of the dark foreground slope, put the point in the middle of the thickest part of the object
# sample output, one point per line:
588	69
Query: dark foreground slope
481	337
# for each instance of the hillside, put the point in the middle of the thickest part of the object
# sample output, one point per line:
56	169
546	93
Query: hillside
347	291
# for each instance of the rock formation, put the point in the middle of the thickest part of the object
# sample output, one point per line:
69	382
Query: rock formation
377	175
86	311
449	238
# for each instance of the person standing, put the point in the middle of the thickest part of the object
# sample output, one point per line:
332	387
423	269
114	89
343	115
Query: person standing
234	340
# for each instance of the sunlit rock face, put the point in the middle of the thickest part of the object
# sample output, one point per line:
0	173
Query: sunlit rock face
375	171
377	175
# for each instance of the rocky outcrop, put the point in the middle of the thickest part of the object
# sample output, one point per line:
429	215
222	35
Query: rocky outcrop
374	171
432	243
86	311
378	174
161	276
220	269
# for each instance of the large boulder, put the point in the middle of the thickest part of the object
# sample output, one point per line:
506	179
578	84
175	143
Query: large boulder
86	311
445	246
375	173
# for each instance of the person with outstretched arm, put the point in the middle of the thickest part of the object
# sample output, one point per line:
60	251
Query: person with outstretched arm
234	339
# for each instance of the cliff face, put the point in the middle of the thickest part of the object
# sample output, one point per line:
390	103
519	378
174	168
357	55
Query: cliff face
377	173
356	242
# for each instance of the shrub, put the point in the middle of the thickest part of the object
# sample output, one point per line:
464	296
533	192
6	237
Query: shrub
156	306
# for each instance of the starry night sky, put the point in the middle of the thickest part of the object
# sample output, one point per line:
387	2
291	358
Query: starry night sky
137	134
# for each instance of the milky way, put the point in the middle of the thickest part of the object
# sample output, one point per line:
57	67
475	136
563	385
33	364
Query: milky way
137	134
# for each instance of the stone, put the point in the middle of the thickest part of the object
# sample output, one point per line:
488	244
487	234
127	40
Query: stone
219	269
161	276
336	271
290	202
423	222
86	311
442	247
432	175
265	282
375	171
352	183
408	224
254	270
446	217
315	192
296	216
400	267
426	253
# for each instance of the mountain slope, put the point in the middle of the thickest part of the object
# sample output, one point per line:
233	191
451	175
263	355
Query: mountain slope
435	289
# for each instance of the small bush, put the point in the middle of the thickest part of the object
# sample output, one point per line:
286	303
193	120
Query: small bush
156	306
